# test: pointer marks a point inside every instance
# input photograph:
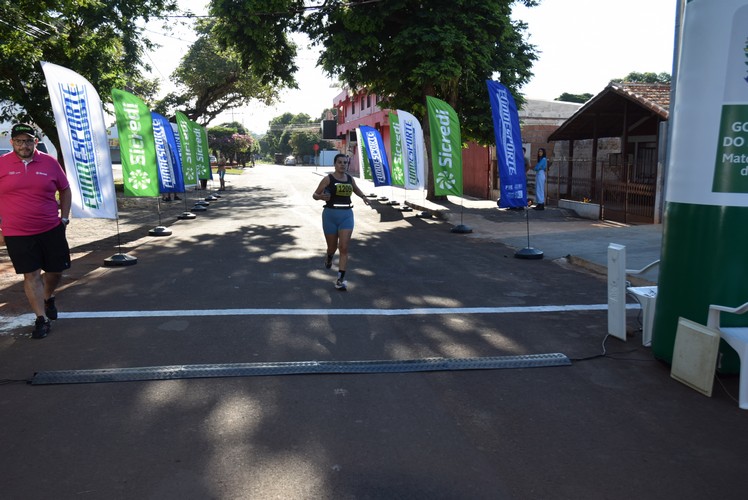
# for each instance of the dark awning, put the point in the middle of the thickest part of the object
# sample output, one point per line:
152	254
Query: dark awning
640	106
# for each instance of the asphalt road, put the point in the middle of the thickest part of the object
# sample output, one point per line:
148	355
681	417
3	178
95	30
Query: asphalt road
244	283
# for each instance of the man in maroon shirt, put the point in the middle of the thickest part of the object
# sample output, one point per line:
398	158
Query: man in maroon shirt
32	223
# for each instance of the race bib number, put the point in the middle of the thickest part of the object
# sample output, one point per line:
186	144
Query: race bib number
344	189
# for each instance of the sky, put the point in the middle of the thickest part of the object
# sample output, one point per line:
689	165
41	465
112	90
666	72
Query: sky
581	44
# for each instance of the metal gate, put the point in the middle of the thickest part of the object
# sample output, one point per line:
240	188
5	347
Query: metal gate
625	191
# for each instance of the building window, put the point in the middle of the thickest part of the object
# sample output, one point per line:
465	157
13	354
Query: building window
368	101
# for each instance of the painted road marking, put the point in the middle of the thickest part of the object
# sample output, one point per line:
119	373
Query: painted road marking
10	323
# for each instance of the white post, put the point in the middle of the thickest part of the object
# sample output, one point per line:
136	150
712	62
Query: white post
617	290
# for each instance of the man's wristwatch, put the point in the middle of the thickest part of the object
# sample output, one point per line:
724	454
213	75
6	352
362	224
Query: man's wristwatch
65	220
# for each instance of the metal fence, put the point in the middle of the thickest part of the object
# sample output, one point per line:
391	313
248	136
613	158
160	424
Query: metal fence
623	193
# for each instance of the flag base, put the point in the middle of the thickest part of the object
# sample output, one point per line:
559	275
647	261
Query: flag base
393	203
529	253
382	198
406	208
425	215
211	198
159	231
199	208
203	203
120	259
186	215
462	229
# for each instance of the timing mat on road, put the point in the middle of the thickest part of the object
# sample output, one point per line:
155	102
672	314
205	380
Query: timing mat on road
175	372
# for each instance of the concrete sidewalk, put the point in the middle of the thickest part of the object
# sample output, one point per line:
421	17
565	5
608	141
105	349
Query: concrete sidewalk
557	232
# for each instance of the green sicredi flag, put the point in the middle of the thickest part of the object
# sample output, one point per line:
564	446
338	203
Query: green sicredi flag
187	149
203	158
446	147
137	146
396	146
364	159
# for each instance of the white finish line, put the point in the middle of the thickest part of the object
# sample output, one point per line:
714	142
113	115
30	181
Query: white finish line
9	323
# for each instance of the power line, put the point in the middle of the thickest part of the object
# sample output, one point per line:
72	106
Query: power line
294	11
294	126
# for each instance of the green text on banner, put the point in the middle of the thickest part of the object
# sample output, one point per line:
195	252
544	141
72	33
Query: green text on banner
396	147
364	160
446	147
137	146
187	150
201	151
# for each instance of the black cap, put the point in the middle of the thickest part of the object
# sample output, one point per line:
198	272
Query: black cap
22	128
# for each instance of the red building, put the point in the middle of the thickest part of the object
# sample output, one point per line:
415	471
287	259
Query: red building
355	110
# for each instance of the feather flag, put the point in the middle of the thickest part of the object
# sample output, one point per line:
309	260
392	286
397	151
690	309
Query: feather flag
446	147
167	156
396	148
512	180
187	150
83	139
411	135
376	156
137	146
363	158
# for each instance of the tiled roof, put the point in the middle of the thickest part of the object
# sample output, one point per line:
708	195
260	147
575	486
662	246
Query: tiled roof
656	96
638	106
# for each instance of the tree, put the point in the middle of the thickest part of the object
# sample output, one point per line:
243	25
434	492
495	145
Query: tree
405	49
402	49
635	77
579	98
210	80
231	141
302	142
101	41
281	129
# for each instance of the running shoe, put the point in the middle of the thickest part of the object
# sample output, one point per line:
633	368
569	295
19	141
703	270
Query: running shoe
341	285
50	309
328	261
41	328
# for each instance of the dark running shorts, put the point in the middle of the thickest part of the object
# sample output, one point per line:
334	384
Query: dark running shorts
48	251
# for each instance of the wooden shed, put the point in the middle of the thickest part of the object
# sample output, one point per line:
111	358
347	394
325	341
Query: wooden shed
611	152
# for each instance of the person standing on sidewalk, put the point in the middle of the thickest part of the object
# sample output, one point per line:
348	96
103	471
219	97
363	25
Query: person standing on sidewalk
540	168
336	190
221	170
33	224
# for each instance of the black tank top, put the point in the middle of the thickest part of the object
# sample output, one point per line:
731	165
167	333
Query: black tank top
340	192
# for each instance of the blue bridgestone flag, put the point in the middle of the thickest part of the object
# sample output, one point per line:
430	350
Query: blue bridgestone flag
512	180
167	156
377	156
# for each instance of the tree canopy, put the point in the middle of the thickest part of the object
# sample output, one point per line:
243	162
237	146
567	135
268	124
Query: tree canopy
401	49
231	141
211	80
101	41
635	77
293	134
579	98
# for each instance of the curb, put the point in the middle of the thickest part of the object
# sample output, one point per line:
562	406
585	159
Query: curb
602	270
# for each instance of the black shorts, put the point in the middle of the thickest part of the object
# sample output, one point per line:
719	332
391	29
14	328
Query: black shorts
48	251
